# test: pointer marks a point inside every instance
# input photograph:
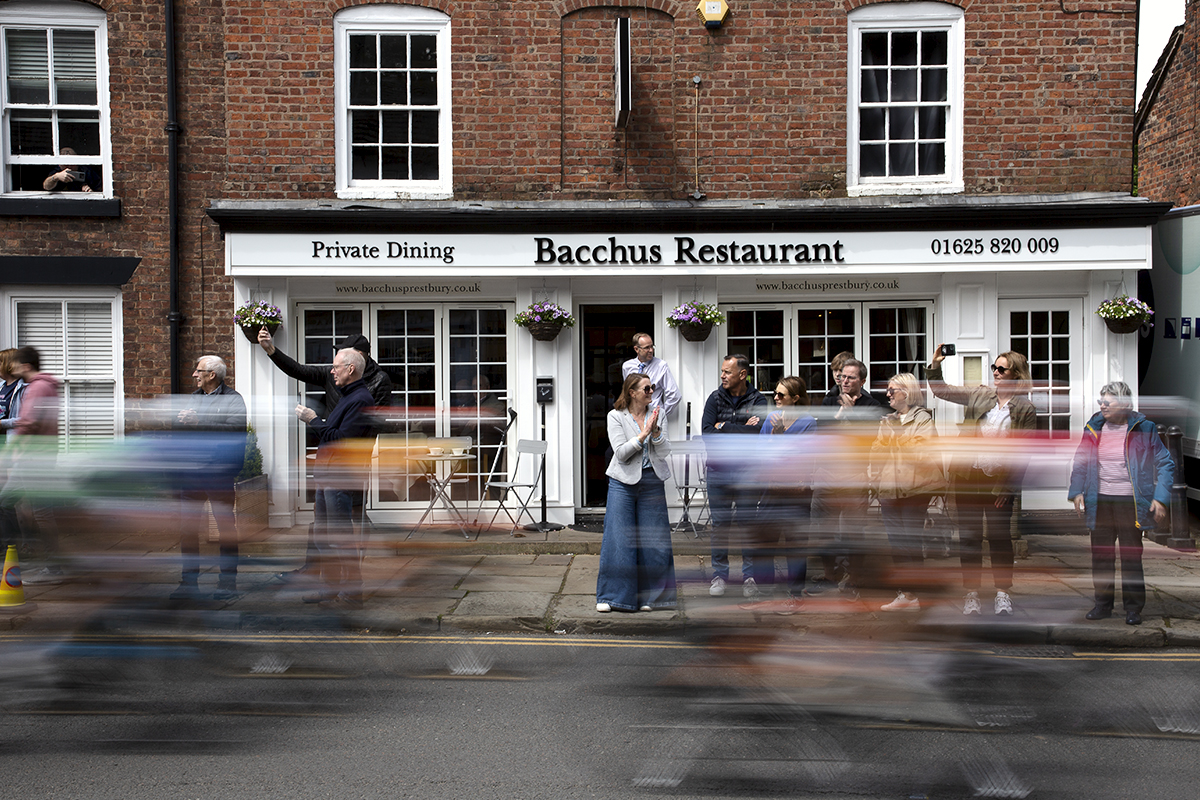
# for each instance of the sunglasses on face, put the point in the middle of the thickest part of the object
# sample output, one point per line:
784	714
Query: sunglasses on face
782	394
999	370
648	389
894	390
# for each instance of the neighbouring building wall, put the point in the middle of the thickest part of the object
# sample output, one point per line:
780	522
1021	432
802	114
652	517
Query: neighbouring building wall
1169	141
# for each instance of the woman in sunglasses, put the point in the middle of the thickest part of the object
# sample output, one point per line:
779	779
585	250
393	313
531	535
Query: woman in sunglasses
984	485
906	471
786	505
637	571
1121	479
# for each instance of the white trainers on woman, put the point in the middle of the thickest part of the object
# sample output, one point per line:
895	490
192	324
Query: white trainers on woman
902	603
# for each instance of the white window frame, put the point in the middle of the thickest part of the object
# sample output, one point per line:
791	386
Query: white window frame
918	16
391	19
71	371
57	14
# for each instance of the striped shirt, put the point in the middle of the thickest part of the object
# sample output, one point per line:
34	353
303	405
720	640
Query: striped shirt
1114	475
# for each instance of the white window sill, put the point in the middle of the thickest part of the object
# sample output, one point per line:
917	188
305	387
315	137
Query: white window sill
909	189
394	193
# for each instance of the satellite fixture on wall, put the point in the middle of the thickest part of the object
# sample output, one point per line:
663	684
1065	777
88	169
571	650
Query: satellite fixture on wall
623	60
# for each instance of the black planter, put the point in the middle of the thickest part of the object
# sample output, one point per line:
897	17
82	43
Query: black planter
544	331
1123	325
695	331
251	331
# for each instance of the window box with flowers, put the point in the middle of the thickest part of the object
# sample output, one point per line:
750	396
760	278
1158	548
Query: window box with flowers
1124	314
253	317
695	320
545	320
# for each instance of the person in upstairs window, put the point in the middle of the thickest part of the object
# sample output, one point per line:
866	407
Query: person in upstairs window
73	177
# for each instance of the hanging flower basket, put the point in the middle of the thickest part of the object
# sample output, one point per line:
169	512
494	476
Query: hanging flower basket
695	331
695	320
1124	314
544	331
545	320
253	317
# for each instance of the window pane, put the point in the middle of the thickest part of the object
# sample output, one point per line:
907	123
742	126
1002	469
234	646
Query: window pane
424	89
933	85
363	89
874	49
362	52
874	86
364	126
492	321
393	88
31	133
80	131
904	48
393	52
902	123
424	52
425	127
870	124
395	163
395	127
933	122
424	164
933	159
904	85
741	323
872	160
364	163
903	159
28	66
75	67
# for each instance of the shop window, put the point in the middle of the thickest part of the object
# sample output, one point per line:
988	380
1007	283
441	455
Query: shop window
896	343
759	335
55	98
906	99
393	102
77	342
822	333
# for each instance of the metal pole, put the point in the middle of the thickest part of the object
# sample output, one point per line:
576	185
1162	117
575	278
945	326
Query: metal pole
544	526
1181	538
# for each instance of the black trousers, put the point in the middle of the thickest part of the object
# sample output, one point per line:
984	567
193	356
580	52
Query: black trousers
1116	532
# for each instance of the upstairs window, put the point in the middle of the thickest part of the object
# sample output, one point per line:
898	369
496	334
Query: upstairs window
55	99
906	91
393	102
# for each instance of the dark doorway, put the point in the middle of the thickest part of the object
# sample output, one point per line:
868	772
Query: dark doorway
607	338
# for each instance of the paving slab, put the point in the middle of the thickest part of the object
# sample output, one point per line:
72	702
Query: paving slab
512	584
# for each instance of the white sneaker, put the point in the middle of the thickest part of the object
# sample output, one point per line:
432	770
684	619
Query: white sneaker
717	587
603	608
1003	603
902	603
750	589
971	603
646	608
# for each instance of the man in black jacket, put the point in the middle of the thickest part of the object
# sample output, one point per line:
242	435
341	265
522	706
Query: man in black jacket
734	407
378	382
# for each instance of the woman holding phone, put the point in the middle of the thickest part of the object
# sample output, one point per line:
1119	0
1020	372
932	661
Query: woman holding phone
637	570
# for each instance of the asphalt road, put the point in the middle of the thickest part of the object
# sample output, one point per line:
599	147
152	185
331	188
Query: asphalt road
730	714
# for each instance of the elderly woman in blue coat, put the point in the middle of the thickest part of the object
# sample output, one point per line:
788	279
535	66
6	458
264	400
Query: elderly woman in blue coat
637	571
1122	480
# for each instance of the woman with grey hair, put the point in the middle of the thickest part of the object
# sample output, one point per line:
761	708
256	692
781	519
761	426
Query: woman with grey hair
1121	480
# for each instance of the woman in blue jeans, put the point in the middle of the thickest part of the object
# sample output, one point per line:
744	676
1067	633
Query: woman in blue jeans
637	571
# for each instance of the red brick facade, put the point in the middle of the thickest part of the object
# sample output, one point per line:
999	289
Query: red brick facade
1049	104
1169	140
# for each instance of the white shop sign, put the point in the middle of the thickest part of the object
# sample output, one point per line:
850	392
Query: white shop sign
860	253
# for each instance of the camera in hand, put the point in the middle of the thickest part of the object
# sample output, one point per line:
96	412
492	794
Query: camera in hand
949	349
77	175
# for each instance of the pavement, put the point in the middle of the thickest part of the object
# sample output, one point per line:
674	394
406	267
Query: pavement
544	583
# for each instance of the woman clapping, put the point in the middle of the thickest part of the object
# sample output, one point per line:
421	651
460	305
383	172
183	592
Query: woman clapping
637	571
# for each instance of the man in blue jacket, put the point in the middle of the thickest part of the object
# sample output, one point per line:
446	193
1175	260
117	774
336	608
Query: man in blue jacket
1121	479
734	407
339	472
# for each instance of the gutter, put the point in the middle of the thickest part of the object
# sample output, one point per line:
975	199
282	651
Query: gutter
174	317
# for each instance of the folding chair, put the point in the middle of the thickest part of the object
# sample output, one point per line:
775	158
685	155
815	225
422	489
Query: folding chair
687	467
515	486
497	461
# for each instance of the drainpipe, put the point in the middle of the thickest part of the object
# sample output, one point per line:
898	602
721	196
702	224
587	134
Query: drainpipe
174	317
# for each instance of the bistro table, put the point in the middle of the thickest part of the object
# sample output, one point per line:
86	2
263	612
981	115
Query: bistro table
439	487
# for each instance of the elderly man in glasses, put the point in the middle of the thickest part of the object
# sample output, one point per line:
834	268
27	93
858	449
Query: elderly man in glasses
985	484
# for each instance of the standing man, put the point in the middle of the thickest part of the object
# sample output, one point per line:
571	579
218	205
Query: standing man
666	391
339	475
378	383
216	418
32	456
841	496
734	407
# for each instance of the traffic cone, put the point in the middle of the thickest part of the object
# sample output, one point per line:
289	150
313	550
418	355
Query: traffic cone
12	594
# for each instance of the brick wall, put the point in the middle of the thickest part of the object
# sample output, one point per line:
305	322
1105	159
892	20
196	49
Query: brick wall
1049	108
1168	143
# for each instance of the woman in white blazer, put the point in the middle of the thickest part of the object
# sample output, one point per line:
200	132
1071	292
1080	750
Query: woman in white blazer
637	571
